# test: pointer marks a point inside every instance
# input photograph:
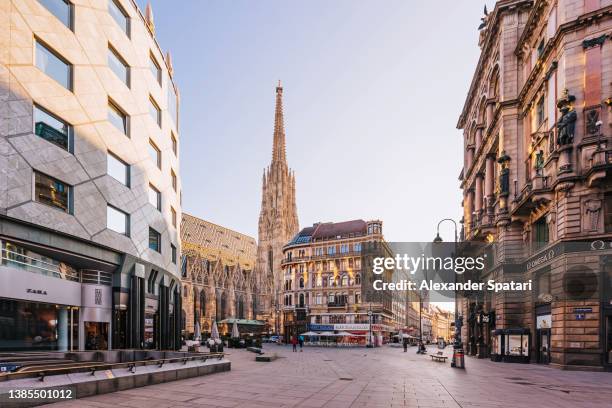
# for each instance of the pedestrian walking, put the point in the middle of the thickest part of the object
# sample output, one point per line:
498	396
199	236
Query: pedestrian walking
405	341
301	340
294	343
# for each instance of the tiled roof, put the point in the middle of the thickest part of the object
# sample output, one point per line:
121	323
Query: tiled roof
218	243
345	228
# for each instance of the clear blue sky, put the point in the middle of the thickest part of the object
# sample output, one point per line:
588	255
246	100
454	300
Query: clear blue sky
373	90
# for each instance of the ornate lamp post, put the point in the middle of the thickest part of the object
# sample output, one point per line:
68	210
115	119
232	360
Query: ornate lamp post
457	345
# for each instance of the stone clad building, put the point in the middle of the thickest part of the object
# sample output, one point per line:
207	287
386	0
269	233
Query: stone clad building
217	274
537	186
278	221
89	184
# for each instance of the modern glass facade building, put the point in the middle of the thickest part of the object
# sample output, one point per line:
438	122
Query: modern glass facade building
87	261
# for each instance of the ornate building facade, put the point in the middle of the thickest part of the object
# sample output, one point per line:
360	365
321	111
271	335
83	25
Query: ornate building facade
217	274
537	183
323	272
278	221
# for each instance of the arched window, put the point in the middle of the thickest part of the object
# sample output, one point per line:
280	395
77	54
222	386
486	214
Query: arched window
319	280
301	283
301	300
240	308
345	280
331	281
202	303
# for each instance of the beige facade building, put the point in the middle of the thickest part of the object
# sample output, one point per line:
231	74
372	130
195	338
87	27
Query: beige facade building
217	275
536	182
278	221
323	274
90	186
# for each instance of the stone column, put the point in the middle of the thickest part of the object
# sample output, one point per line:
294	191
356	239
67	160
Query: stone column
478	193
479	133
62	329
490	111
470	157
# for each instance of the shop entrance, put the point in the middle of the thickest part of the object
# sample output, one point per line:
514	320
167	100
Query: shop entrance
543	346
96	336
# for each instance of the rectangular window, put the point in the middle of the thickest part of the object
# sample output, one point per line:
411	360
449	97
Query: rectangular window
540	111
154	197
155	69
117	220
51	128
540	233
155	154
174	144
117	118
172	104
155	112
174	180
540	49
118	169
119	66
154	240
50	191
173	214
119	15
608	212
61	9
54	66
173	253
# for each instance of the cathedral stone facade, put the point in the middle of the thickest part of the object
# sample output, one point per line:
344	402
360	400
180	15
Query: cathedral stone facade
217	274
278	221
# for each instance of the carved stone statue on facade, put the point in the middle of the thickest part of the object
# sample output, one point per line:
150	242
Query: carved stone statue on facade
566	125
539	162
592	210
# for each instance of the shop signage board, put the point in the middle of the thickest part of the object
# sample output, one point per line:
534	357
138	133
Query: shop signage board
321	327
583	310
352	326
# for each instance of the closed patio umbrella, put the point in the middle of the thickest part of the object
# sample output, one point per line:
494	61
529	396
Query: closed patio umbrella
214	333
235	332
198	332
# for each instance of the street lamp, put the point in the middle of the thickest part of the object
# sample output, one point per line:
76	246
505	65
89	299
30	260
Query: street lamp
457	343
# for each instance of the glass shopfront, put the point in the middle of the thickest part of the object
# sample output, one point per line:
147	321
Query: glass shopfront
511	345
28	326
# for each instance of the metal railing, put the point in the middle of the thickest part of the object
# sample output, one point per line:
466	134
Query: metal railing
95	277
30	264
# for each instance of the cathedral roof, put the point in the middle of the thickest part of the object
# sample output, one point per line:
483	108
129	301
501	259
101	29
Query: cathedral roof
215	242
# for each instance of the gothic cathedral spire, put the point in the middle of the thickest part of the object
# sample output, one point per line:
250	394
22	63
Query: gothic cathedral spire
278	221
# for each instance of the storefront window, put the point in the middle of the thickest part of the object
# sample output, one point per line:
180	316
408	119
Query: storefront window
37	326
517	345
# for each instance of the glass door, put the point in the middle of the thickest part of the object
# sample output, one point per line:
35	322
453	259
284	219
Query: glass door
543	346
609	339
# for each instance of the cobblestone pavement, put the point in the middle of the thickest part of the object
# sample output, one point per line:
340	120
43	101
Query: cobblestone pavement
383	377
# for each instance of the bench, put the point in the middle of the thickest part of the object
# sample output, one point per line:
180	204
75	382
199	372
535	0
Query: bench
266	358
439	356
